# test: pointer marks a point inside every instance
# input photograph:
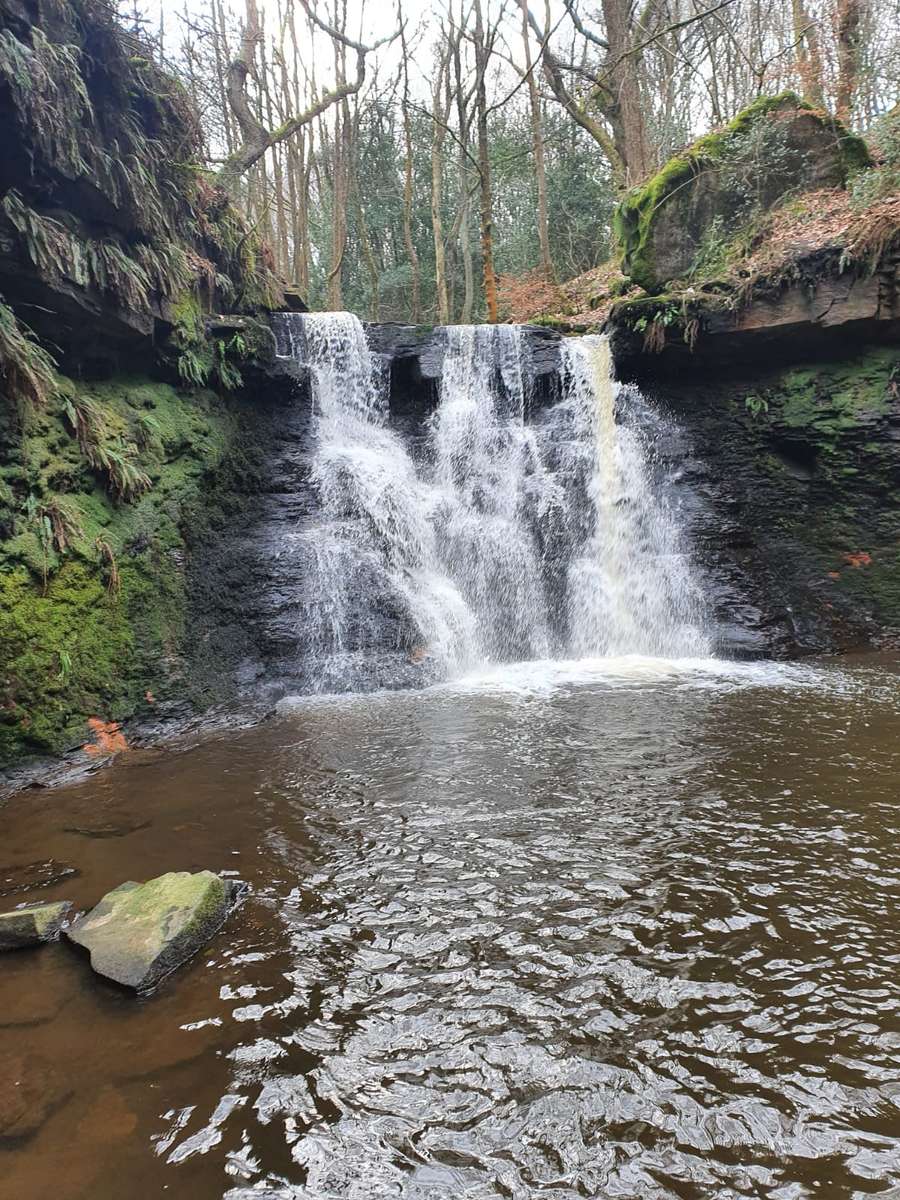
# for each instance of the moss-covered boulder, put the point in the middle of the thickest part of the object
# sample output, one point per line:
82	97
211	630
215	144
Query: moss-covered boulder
32	925
685	218
139	933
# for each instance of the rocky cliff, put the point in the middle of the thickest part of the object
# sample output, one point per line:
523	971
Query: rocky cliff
122	397
772	331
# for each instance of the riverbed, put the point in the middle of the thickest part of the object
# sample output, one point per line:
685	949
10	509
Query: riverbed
606	929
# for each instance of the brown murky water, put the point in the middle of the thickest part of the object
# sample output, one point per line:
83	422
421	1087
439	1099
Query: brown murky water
556	935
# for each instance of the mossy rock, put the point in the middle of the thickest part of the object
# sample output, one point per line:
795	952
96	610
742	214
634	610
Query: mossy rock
32	925
139	933
713	191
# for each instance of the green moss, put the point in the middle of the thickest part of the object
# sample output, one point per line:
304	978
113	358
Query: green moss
86	628
633	220
834	399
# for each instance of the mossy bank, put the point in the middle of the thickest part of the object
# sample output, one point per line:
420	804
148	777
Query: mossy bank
120	382
94	584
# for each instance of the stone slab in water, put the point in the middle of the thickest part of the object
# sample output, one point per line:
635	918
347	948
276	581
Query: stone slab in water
27	877
118	826
31	1088
32	925
139	933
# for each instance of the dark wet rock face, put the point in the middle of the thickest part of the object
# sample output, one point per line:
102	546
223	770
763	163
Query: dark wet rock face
822	308
794	472
414	355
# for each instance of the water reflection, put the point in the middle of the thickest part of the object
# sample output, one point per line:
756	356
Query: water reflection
574	941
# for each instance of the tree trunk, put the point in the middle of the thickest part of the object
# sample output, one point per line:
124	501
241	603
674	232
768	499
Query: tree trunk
809	56
341	180
577	109
537	138
441	111
484	170
627	112
408	239
849	19
365	242
465	243
220	51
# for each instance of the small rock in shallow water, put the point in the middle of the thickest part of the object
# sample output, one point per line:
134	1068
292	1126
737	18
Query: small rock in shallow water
31	925
31	1090
34	875
118	827
138	933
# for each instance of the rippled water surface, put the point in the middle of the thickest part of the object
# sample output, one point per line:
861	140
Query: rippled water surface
616	929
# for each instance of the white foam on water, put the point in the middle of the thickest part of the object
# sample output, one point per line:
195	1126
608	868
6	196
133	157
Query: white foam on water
548	677
544	677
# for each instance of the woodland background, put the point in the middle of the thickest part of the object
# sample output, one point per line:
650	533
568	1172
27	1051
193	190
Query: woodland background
404	160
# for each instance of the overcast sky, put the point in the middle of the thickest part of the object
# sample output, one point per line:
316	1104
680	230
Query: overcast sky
370	19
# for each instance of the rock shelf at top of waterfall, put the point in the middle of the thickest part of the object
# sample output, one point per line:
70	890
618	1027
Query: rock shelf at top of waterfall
495	534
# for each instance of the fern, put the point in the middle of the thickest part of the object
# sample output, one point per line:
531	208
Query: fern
126	478
48	244
27	368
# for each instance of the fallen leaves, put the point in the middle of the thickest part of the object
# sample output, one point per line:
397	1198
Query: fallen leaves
108	738
859	559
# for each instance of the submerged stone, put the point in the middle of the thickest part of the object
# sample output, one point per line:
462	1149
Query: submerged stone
32	925
29	876
32	1089
139	933
121	826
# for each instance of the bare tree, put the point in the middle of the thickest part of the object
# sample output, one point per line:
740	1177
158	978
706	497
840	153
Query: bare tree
408	238
441	102
256	138
489	275
848	16
809	55
537	140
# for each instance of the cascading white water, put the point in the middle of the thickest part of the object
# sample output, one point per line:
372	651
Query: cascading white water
631	589
373	581
508	537
486	463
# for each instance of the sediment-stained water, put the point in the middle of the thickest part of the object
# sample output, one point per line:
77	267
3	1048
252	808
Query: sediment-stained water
622	928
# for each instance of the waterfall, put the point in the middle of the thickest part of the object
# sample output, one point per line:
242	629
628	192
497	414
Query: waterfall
499	535
631	585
